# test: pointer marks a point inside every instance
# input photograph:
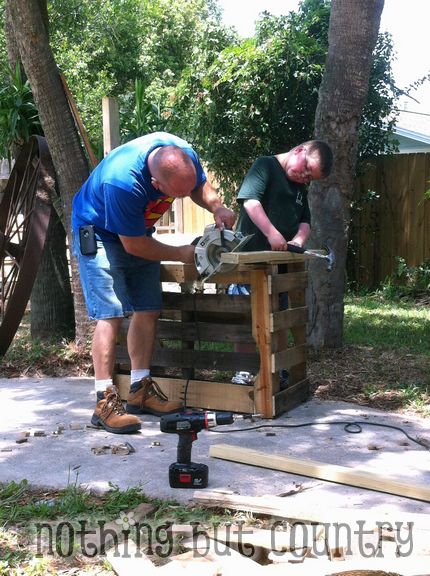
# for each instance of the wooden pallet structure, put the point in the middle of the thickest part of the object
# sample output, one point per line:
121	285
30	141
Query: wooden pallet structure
199	327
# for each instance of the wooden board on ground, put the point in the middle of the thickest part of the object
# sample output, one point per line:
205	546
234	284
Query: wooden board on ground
288	508
313	469
126	560
228	561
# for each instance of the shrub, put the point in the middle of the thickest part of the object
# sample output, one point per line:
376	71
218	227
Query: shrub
408	281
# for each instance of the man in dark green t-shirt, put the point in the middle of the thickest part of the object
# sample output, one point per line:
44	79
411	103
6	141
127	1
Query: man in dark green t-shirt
273	196
274	208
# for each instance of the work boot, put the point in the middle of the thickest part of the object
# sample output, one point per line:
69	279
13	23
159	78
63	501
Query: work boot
146	397
111	415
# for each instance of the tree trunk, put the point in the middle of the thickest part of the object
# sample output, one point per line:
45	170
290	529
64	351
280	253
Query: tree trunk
11	46
353	33
58	125
51	300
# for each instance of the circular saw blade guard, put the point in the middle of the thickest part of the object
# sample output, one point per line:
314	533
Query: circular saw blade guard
212	245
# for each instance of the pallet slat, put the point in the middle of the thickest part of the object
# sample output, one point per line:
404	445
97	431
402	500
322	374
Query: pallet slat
193	325
201	394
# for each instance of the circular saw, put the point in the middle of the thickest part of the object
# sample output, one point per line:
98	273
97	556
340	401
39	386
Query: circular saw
210	247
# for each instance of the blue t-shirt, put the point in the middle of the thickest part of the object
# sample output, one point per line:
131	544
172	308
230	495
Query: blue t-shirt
118	197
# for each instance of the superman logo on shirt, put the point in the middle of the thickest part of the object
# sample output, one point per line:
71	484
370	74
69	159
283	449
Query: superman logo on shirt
155	209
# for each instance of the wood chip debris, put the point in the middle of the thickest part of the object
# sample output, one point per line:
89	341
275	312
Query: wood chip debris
76	426
374	447
118	449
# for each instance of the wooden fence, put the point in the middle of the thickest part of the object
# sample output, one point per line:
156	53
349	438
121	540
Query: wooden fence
391	217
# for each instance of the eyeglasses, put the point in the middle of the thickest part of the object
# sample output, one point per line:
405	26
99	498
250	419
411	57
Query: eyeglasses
306	173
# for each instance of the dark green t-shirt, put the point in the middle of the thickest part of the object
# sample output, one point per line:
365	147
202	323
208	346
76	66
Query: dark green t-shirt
285	202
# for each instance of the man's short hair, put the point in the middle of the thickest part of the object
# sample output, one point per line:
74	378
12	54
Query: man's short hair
171	159
325	155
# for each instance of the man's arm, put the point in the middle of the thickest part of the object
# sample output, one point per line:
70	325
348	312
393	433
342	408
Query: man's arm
151	249
207	197
259	217
302	234
276	240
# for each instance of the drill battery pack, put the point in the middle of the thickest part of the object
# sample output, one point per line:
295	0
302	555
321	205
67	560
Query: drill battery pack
190	475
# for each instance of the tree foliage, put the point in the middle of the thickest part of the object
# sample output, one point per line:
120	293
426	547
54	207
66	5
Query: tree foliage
19	118
103	48
260	95
174	66
257	98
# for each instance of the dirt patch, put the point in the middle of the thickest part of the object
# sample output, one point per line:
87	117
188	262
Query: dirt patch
387	380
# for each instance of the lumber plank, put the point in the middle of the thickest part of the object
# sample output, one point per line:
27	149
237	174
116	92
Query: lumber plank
200	393
295	511
352	567
103	537
188	568
263	256
126	560
263	538
289	357
204	331
199	359
229	561
292	396
314	469
288	318
287	282
221	303
261	331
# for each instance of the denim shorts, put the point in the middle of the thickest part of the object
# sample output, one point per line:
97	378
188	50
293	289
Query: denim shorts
115	283
239	289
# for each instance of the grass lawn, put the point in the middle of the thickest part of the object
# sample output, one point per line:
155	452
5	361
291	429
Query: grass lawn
372	321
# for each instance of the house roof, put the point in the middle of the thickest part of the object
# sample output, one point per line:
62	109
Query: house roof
413	132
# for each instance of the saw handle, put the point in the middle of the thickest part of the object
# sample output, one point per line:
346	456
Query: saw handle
295	248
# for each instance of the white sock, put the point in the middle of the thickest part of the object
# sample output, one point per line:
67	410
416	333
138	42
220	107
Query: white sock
137	375
102	385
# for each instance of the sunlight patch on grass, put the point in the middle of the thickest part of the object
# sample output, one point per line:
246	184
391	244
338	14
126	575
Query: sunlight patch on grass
372	322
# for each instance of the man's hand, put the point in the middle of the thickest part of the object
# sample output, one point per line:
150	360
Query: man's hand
295	242
276	240
207	197
302	235
224	217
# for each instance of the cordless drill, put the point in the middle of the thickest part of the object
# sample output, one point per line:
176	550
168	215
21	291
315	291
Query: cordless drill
184	473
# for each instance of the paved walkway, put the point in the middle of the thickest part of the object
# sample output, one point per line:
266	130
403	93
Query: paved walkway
59	457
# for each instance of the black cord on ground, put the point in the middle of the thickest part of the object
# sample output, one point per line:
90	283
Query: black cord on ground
349	427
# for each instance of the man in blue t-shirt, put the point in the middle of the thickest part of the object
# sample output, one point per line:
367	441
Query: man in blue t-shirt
113	217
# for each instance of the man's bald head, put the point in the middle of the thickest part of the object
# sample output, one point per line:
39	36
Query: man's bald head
173	172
